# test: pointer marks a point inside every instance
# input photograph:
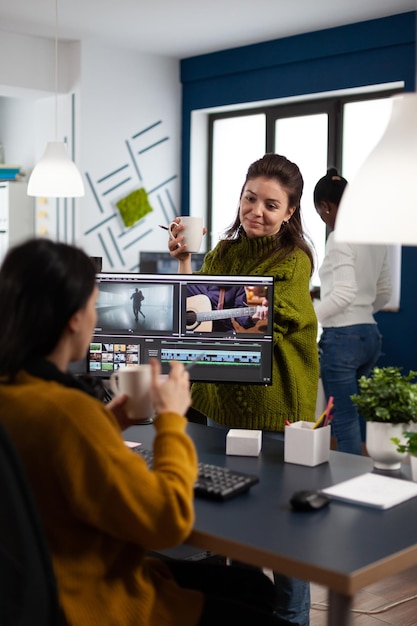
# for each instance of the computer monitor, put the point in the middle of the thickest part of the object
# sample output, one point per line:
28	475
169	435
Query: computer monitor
164	263
170	317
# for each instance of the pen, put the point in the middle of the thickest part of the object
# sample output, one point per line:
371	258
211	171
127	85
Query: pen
329	420
328	417
329	406
319	420
164	227
328	409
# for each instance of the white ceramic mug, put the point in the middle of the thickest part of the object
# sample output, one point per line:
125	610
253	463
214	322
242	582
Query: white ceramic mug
135	382
192	233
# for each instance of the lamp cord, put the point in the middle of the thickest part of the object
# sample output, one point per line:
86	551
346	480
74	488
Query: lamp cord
56	70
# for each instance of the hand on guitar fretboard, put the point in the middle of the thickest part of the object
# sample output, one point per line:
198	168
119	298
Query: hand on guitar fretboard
200	315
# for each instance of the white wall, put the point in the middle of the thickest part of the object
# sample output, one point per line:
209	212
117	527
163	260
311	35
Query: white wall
17	124
124	110
130	138
30	62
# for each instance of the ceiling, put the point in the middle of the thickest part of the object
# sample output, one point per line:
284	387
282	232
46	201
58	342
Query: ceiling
183	28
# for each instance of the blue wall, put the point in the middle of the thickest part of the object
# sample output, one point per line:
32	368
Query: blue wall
367	53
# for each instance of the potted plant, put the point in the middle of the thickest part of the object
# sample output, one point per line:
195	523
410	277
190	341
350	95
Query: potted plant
408	446
387	400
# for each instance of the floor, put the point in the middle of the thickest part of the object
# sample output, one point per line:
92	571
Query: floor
376	596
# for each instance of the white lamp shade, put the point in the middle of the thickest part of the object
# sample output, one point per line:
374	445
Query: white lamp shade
380	204
56	176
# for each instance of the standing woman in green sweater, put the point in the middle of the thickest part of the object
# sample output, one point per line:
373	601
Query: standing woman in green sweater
267	238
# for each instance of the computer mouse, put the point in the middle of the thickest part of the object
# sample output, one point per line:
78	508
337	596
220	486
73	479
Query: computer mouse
309	500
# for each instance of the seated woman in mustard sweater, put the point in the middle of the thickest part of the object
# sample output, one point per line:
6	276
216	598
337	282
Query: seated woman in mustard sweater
101	507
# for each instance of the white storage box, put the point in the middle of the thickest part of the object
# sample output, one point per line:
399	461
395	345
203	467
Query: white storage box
243	442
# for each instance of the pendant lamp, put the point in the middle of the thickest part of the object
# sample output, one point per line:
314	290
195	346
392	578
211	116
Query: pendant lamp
56	175
380	204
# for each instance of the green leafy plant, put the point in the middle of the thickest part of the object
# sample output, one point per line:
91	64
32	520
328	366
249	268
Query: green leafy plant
387	396
410	446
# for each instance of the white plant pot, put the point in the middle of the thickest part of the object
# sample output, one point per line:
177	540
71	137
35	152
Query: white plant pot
413	463
380	448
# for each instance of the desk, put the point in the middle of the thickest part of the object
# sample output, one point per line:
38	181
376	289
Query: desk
343	547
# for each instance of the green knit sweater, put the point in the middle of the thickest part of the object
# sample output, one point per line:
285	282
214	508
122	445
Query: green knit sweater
295	374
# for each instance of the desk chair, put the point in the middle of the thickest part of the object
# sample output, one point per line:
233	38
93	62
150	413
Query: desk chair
28	593
195	416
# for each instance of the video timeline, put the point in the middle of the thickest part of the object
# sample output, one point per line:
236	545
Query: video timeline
212	356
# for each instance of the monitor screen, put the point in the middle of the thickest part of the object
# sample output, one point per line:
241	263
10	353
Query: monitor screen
207	322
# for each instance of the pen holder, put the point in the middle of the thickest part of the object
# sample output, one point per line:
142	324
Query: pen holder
306	446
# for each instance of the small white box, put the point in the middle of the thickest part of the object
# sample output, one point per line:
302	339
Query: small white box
241	442
306	446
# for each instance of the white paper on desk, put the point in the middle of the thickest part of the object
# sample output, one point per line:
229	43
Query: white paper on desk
375	490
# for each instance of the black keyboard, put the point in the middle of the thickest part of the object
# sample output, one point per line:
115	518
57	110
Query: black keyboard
213	482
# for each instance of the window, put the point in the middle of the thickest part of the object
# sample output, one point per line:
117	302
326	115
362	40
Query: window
317	134
310	154
229	164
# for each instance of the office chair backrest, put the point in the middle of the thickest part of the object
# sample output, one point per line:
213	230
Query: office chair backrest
28	593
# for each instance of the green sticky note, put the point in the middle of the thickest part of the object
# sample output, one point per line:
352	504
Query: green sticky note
134	207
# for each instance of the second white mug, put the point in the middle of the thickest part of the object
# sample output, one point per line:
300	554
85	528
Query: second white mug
192	233
135	382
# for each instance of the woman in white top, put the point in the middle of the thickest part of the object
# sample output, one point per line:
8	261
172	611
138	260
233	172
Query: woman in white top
355	284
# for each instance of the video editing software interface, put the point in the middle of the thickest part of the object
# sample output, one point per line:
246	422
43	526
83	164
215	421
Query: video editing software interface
210	322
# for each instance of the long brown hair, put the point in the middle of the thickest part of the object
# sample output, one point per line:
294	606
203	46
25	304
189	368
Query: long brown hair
291	234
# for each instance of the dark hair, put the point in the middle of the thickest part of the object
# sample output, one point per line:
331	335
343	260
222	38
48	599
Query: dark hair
42	284
330	188
291	234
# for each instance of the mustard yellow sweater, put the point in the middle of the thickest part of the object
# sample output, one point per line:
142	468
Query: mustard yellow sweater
102	508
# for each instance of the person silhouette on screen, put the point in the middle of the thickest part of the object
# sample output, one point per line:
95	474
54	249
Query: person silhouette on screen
137	297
